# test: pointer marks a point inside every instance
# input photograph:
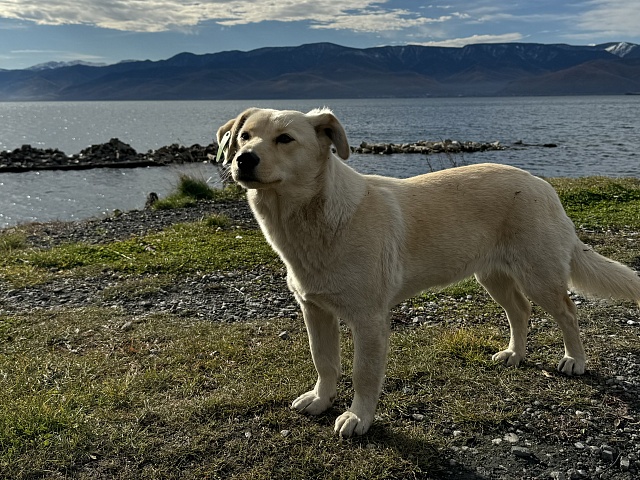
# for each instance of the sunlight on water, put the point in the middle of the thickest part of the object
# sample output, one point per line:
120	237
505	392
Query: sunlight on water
594	136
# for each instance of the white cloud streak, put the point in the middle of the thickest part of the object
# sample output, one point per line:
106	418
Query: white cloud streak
163	15
461	42
613	18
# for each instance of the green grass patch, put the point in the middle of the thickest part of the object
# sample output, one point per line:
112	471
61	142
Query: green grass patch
600	202
190	190
217	221
11	240
180	249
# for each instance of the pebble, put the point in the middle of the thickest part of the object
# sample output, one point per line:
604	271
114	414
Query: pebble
511	438
284	335
625	464
608	453
522	452
127	326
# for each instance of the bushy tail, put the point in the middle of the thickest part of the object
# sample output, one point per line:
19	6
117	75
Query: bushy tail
591	273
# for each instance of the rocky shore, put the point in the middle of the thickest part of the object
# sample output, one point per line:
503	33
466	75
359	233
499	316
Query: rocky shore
112	154
427	147
117	154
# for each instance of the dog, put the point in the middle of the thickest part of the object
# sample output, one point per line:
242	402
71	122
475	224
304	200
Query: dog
356	245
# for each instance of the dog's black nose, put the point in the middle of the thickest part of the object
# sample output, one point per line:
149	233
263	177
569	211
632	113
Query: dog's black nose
247	161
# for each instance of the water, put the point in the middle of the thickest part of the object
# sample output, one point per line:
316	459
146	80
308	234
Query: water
595	136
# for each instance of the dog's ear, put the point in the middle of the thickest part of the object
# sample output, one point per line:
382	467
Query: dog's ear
329	127
232	127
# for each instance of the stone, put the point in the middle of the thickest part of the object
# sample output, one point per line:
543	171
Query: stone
522	452
511	438
557	476
607	453
625	464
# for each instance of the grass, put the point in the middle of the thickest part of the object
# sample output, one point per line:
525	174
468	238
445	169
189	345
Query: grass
181	249
179	397
601	202
190	190
11	241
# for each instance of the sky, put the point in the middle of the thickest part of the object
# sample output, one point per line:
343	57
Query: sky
110	31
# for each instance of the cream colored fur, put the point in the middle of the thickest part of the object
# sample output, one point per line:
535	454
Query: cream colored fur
356	245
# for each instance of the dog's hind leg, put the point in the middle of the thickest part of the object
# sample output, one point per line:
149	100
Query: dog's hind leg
324	342
558	304
370	341
504	290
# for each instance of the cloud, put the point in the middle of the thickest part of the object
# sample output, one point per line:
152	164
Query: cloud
461	42
613	18
163	15
377	21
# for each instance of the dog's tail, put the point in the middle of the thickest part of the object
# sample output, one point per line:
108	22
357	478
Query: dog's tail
592	273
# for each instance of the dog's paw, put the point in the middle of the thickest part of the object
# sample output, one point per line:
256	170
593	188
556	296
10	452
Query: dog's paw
311	403
508	357
571	366
349	424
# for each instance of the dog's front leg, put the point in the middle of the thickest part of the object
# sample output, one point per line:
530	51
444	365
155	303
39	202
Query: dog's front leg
324	342
370	358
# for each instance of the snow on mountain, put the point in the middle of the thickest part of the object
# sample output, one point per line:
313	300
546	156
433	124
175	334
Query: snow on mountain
621	49
54	65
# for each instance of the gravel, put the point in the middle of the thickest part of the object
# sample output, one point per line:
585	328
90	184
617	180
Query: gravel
601	440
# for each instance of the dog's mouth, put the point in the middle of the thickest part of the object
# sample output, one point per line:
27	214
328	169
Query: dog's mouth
249	181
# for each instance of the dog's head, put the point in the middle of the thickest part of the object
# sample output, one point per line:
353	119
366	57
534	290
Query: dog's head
268	148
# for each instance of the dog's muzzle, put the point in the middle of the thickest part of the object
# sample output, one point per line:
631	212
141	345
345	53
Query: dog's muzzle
246	163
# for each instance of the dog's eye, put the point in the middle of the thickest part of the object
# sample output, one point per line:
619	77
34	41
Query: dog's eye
284	138
245	136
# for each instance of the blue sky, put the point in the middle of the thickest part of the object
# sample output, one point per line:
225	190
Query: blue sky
108	31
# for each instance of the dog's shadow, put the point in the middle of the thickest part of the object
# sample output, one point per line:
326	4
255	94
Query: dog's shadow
428	460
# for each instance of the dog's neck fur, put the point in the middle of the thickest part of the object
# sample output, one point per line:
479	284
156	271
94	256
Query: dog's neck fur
293	222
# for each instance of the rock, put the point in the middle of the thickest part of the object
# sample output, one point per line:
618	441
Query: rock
523	452
557	476
151	199
511	438
114	153
608	453
126	326
625	463
284	335
575	474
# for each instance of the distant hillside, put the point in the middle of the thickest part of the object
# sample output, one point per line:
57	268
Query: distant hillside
325	70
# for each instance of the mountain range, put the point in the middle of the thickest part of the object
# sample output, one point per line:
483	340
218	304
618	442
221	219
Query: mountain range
325	70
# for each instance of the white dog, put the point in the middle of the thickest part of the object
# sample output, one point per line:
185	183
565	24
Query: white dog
356	245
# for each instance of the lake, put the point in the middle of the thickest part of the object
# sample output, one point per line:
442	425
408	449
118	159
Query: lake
596	135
